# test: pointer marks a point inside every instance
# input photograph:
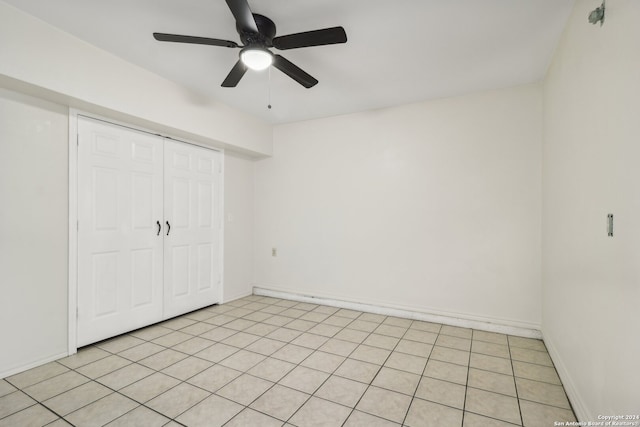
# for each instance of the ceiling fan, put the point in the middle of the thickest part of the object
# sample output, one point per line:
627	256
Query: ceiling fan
257	33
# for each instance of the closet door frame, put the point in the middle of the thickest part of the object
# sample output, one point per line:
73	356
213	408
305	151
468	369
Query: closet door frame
72	345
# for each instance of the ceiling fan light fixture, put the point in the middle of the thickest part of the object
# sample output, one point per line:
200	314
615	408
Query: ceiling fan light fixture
258	34
256	58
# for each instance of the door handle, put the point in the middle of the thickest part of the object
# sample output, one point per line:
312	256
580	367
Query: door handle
159	227
168	228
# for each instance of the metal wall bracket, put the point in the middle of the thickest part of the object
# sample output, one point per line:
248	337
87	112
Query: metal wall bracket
610	225
597	15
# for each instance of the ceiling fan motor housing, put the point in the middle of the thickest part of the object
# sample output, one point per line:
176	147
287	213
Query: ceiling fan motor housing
266	32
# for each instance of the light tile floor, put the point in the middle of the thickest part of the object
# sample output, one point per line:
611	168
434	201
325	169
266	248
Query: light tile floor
264	362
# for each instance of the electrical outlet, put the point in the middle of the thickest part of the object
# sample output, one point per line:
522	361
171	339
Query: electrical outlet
274	251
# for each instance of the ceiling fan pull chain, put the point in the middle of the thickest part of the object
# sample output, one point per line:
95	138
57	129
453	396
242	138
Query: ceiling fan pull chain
269	93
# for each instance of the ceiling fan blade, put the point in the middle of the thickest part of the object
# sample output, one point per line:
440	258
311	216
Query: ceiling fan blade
235	75
244	17
193	40
293	71
322	37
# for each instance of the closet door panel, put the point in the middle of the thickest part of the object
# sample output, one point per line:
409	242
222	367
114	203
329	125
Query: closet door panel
120	202
142	274
192	208
180	271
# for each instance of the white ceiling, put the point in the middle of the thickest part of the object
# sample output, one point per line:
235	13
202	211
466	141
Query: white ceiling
397	51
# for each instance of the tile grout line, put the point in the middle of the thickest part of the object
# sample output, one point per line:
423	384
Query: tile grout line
298	365
230	381
277	382
376	374
144	404
140	404
174	419
490	391
25	408
515	383
466	386
90	380
326	379
421	376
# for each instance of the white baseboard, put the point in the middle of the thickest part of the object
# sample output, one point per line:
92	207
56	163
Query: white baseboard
579	408
31	365
463	322
235	297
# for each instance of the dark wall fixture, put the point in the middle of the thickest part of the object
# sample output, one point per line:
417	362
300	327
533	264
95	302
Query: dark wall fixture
597	15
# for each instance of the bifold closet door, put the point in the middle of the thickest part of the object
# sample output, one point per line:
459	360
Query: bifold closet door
120	241
192	241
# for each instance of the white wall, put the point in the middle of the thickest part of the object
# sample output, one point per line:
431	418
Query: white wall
33	231
70	71
591	282
238	231
431	207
